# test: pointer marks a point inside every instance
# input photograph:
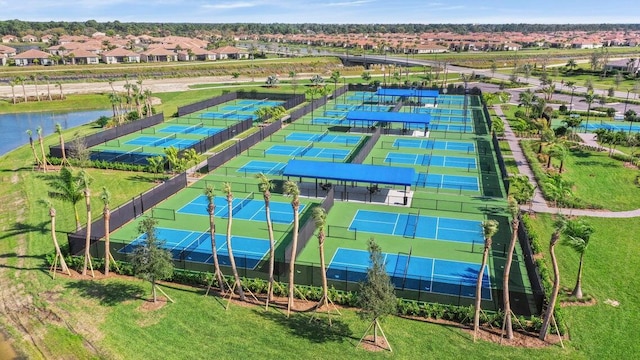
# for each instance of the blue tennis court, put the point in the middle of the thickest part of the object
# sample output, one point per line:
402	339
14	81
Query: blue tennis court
328	121
244	209
336	113
440	111
161	142
225	115
419	226
609	126
260	103
450	128
461	146
197	129
407	271
196	246
325	137
308	151
431	160
265	167
441	181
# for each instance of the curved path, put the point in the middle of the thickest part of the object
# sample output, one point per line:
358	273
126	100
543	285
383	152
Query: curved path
539	204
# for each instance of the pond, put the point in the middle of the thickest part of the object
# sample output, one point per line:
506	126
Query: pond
13	127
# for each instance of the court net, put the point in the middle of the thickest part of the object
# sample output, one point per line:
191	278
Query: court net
163	213
305	150
163	140
245	201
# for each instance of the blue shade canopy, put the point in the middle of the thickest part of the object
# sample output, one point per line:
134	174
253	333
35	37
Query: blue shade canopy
373	174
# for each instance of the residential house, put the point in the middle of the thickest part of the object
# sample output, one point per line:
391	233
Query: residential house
511	47
7	50
231	52
4	59
120	55
631	66
83	57
33	57
198	54
9	39
428	49
158	54
29	39
47	38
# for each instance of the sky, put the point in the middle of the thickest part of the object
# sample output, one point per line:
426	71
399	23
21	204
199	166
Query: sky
327	11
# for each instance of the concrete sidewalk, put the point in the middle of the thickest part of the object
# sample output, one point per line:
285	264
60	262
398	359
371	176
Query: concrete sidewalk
539	204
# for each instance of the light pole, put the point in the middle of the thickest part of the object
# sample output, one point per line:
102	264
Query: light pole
626	102
466	100
573	88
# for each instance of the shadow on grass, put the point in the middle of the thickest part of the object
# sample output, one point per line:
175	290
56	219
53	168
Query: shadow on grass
20	228
597	163
108	293
316	330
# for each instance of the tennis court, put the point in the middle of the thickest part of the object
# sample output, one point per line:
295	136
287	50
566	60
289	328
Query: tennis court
431	160
244	209
265	167
161	142
440	111
336	113
418	226
446	128
325	137
196	246
408	271
198	129
308	151
435	145
226	115
609	126
328	121
441	181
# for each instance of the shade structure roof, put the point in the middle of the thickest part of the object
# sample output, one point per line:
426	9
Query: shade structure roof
372	174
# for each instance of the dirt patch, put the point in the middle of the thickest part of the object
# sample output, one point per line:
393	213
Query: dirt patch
589	302
520	339
629	165
379	345
149	305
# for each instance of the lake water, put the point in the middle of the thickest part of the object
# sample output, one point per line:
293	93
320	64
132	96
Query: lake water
13	127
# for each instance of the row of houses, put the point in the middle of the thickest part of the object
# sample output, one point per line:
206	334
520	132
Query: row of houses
88	55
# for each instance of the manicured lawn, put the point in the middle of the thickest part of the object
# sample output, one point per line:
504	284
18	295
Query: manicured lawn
597	179
71	102
610	272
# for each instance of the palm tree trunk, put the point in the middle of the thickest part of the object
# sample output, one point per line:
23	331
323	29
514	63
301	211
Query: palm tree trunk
49	91
214	249
87	243
77	216
13	94
153	290
292	260
272	259
44	156
33	150
24	92
107	247
476	317
230	251
325	286
577	291
63	263
556	287
505	282
64	153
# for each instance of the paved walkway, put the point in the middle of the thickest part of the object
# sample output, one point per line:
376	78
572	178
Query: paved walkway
539	204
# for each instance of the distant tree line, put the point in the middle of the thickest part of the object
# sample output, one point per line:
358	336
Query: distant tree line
19	27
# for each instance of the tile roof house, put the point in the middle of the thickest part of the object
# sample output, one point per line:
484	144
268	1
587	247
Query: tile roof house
29	38
196	54
231	52
9	38
158	54
7	50
33	57
4	59
119	55
83	57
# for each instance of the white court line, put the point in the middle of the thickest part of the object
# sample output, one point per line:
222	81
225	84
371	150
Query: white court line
437	226
396	224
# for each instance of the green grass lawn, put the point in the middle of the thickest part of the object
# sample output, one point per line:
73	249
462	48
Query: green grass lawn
71	102
610	267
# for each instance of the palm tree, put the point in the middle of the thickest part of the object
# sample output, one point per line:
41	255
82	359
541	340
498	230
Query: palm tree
294	81
335	77
34	78
33	148
572	64
489	228
59	86
561	152
46	78
59	256
41	141
20	80
147	101
211	209
320	221
66	187
515	222
113	99
291	189
589	98
526	100
577	235
238	284
559	190
12	83
111	81
64	154
559	225
156	164
266	186
84	183
105	196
